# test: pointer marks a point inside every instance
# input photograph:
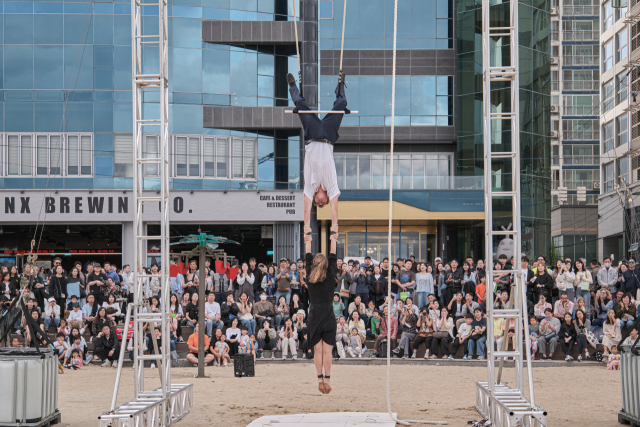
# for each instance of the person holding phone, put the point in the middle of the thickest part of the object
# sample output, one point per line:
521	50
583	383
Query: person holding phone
549	329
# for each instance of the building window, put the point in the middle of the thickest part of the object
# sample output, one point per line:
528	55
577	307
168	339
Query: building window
607	55
607	137
580	155
233	158
623	130
123	156
19	155
79	155
187	156
326	9
608	177
49	155
622	45
607	16
607	96
580	130
621	87
623	171
243	161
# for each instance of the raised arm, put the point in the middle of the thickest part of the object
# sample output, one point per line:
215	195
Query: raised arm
334	229
307	229
334	211
308	204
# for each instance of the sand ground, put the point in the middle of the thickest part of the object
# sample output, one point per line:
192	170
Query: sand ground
573	396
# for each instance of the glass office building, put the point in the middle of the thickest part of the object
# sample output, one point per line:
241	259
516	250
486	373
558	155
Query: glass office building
534	109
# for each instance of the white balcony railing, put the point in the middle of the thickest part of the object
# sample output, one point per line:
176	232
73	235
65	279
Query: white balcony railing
579	36
580	11
580	110
580	85
573	185
581	60
580	135
574	160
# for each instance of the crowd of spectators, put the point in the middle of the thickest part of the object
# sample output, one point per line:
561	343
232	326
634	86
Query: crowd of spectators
261	309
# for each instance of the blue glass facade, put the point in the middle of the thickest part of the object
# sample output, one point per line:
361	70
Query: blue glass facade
66	68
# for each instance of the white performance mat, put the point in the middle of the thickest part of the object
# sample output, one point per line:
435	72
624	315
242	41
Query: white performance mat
337	419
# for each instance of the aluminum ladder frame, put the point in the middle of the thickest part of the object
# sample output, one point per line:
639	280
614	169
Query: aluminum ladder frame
168	403
504	406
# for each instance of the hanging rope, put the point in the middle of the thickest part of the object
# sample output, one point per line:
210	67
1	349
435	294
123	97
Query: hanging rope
393	112
344	18
295	30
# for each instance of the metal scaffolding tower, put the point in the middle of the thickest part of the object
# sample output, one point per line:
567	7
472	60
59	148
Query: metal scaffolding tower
168	403
503	405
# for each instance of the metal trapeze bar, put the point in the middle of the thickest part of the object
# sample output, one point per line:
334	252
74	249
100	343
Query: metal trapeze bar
319	112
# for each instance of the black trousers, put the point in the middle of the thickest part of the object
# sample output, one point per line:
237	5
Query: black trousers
444	345
262	345
419	340
456	344
582	343
104	354
567	347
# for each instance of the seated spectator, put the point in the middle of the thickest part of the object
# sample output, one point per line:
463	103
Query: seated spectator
342	332
632	338
192	311
582	325
468	307
580	306
264	310
356	322
534	334
374	329
220	351
60	346
455	307
549	329
72	300
368	312
603	303
282	311
78	344
358	306
213	315
388	333
252	347
464	332
15	343
567	336
611	331
244	313
145	348
90	312
296	304
113	308
106	347
76	317
425	328
172	345
288	340
562	306
51	315
243	341
478	336
625	311
614	359
101	321
355	343
64	329
229	310
267	340
411	306
192	343
443	335
540	307
338	305
176	317
409	331
298	323
233	333
502	300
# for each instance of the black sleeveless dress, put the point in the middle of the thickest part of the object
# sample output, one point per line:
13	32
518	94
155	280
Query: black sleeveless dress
322	322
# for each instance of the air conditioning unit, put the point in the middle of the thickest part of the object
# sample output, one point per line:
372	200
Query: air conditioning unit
555	109
554	11
596	185
555	60
554	134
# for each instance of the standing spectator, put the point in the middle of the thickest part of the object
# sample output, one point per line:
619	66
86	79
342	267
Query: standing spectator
565	279
406	280
58	286
464	332
625	311
343	281
608	276
244	283
582	325
264	310
567	336
378	286
89	312
267	339
244	313
97	284
6	288
603	303
441	281
192	313
257	278
212	314
478	336
127	280
543	283
282	311
611	331
469	280
106	347
362	280
192	343
294	279
583	283
153	284
74	284
51	315
631	284
549	330
283	281
481	288
424	285
269	281
288	339
527	276
409	331
191	280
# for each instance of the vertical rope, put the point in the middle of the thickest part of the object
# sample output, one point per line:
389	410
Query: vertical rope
393	116
295	30
344	18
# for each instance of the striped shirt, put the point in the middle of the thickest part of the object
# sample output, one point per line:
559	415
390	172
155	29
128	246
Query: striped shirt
320	169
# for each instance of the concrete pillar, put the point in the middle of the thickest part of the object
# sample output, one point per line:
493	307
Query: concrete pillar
442	241
127	244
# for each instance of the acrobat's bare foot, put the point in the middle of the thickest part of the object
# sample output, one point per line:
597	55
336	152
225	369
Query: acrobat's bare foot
327	385
321	385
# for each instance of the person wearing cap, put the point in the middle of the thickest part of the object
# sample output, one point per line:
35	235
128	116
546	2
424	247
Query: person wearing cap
75	317
51	314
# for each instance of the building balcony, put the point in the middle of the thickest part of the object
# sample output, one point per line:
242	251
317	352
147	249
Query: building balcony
580	135
581	60
580	11
581	160
573	185
580	36
408	182
580	110
580	85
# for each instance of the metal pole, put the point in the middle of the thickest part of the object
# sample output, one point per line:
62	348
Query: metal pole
201	320
121	357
